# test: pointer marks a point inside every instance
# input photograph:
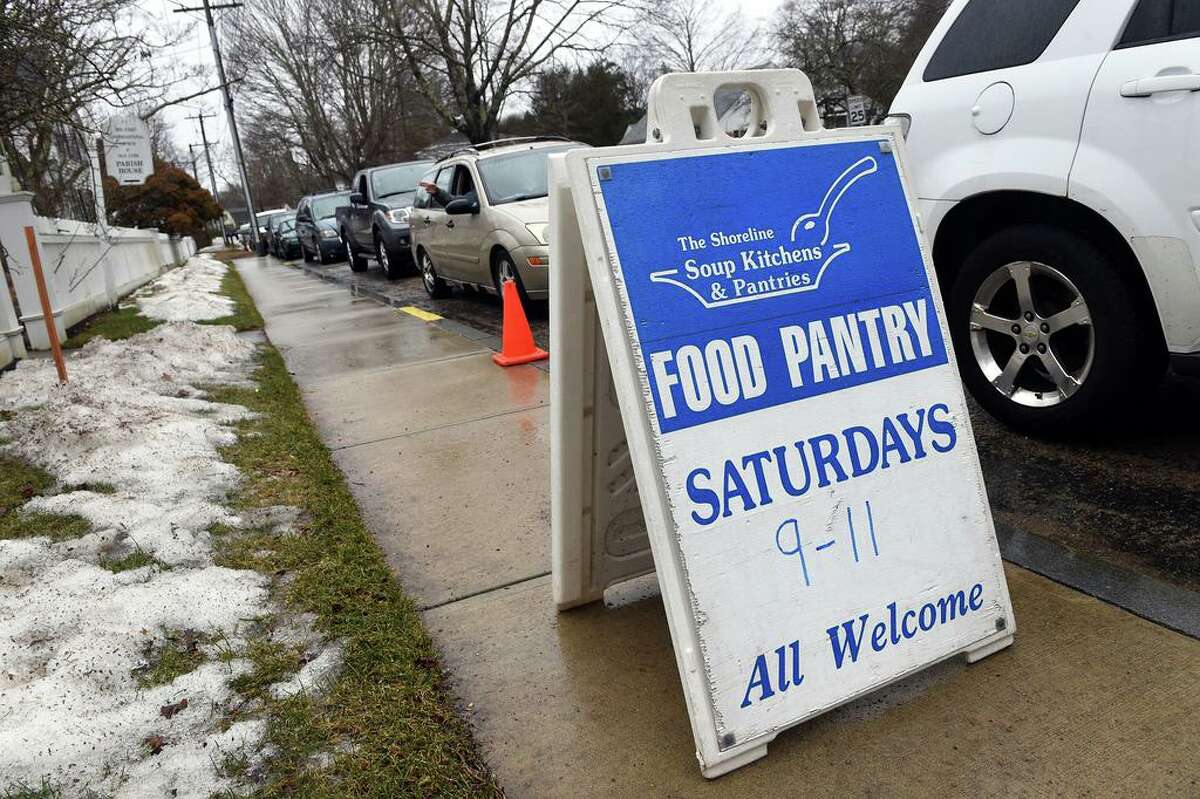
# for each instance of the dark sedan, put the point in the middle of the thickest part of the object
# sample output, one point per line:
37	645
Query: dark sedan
316	226
284	243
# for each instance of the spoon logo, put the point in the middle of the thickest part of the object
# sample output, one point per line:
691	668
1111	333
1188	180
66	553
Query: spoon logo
760	272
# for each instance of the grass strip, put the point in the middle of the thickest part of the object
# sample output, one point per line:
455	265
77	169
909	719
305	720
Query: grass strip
20	482
124	322
245	315
112	325
386	726
178	654
387	717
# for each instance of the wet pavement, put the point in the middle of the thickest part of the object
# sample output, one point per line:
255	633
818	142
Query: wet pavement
447	455
1129	496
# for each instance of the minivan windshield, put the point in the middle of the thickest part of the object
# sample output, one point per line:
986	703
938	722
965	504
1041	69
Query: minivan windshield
397	179
323	207
518	176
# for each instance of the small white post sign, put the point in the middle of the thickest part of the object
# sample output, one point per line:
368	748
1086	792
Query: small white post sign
800	438
856	110
127	153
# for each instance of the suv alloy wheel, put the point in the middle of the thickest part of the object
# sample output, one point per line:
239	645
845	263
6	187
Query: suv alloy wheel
1047	331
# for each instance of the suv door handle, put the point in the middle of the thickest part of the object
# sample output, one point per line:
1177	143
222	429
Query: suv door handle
427	219
1144	87
449	223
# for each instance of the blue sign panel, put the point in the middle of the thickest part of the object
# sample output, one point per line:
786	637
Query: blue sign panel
764	277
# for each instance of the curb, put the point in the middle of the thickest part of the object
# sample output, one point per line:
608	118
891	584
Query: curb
1152	599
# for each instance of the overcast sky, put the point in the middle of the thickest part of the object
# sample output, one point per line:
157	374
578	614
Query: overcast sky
195	49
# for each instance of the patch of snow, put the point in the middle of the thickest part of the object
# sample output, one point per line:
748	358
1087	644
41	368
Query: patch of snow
190	293
315	674
134	415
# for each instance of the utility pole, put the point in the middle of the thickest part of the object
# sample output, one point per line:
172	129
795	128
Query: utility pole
212	175
195	172
208	8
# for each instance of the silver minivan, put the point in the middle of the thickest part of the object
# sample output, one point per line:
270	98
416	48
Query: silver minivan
488	219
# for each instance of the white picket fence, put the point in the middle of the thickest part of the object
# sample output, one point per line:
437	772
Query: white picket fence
84	273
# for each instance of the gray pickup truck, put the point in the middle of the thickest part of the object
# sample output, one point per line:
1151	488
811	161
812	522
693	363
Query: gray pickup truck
375	223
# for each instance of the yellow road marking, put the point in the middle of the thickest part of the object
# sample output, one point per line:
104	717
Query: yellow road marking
423	315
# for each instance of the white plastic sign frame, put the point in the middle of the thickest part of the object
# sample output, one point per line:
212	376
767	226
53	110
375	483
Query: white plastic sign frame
803	455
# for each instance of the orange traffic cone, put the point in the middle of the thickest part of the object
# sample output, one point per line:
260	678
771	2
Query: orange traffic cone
518	346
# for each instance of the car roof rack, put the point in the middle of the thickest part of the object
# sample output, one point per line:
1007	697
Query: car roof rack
491	145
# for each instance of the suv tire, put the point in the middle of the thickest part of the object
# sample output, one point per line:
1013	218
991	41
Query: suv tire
358	263
504	266
435	287
1047	331
390	261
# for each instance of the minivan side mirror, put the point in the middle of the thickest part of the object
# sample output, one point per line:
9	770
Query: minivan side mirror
462	205
357	199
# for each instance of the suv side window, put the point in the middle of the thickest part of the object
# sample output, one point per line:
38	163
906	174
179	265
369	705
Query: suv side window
463	182
360	184
1161	20
421	198
994	34
444	182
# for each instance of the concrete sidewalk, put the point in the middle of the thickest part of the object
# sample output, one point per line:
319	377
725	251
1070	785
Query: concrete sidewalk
448	457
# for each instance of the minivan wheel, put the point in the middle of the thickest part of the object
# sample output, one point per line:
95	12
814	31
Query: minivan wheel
503	269
1047	332
435	287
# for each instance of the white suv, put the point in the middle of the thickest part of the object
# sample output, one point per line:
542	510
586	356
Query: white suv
1055	151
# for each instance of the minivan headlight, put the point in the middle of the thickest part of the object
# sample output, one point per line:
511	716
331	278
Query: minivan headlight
400	215
329	233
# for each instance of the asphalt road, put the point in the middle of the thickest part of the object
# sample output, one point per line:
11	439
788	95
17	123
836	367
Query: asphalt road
1129	495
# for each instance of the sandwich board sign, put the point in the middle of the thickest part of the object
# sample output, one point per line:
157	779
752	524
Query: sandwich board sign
805	467
127	153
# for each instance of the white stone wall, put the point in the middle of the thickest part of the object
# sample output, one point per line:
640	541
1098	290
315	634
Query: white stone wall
85	273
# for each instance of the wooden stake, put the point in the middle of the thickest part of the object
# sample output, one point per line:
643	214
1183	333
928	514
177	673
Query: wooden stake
47	312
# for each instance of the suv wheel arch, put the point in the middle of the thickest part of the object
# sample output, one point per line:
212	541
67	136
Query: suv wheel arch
977	218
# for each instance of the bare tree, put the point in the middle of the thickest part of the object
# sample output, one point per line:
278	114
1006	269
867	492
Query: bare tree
851	47
697	36
63	64
469	56
328	96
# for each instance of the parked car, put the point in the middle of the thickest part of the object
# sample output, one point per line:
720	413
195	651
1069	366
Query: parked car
375	223
316	226
490	220
273	221
263	218
1053	151
284	242
243	235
